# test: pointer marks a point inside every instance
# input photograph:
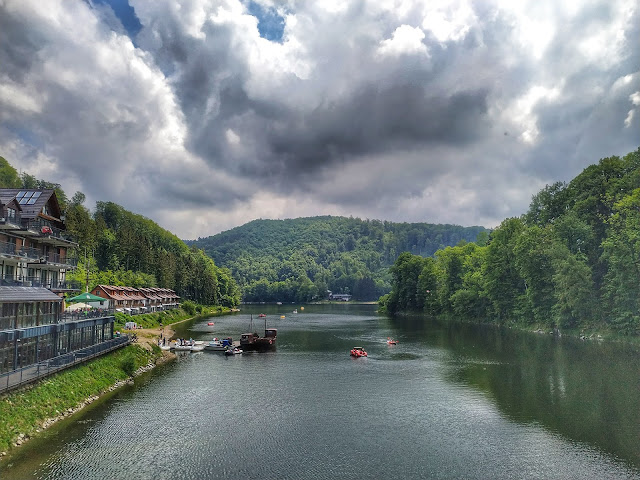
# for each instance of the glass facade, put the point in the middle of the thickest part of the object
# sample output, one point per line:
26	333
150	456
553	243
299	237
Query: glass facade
32	332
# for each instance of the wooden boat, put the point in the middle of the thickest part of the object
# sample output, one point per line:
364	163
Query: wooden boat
358	352
252	342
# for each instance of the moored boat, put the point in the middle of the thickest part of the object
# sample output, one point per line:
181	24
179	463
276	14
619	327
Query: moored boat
233	351
252	342
217	345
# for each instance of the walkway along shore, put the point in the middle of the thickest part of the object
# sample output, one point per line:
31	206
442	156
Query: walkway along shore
146	338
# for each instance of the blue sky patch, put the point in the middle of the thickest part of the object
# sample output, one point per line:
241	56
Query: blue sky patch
125	13
270	24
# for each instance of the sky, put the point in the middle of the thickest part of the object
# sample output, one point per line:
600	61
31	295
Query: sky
205	115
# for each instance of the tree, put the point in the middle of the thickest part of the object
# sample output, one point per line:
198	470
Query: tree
8	175
621	250
505	285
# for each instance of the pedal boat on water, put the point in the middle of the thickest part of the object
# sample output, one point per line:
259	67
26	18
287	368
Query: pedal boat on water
358	352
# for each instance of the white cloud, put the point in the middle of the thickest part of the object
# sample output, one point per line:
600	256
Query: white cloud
406	40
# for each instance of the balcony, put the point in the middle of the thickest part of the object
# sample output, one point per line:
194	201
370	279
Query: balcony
38	282
45	232
10	249
12	222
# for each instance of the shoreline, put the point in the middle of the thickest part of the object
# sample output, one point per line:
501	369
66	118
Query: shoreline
146	338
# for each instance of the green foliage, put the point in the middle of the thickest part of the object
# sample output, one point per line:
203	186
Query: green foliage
572	261
298	260
8	175
128	365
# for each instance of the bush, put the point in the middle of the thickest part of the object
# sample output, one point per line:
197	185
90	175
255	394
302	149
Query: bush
128	365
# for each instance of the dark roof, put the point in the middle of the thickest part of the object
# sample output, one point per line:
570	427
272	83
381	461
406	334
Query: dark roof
27	294
34	199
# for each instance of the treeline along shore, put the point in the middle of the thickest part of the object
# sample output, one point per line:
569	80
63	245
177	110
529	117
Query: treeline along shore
571	262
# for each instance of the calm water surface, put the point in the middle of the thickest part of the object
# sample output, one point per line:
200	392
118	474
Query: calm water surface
449	401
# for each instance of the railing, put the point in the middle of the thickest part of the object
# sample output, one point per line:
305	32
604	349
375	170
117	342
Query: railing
37	224
81	315
9	248
15	219
38	282
22	376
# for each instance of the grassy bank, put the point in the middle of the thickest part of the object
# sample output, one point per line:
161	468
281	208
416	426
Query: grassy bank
26	411
186	311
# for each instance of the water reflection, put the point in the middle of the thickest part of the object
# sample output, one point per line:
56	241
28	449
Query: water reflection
586	391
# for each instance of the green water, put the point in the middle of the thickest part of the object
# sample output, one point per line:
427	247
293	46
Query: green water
449	401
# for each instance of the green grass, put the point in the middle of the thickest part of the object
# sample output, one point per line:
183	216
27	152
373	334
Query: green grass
24	411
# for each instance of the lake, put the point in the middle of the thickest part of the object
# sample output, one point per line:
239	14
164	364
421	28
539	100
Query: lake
448	401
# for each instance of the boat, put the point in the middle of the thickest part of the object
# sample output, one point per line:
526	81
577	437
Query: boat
295	311
262	315
252	342
233	351
358	352
217	345
390	341
211	324
188	346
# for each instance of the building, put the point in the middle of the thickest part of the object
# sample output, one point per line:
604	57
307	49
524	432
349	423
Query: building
138	300
36	337
34	250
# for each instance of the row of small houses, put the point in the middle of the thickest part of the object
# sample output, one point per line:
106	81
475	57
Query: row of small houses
134	300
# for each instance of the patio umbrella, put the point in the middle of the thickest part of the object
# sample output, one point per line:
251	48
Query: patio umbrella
85	297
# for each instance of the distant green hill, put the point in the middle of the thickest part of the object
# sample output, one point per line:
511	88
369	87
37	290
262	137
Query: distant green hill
299	259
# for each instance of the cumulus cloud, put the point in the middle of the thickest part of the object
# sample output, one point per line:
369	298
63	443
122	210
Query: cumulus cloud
209	114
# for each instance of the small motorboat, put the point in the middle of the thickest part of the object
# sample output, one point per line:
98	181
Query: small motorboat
211	324
232	351
295	311
262	315
216	345
391	341
358	352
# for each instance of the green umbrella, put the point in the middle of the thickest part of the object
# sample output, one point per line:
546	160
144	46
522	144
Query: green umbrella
86	297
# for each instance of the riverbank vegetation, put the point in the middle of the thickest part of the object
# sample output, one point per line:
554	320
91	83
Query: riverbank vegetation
298	260
571	262
187	310
26	411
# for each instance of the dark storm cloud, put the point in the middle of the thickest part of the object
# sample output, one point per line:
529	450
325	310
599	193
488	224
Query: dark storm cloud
19	45
375	121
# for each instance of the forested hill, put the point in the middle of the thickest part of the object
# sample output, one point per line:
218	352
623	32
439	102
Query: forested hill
572	261
300	259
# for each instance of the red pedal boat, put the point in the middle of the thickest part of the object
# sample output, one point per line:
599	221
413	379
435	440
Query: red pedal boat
358	352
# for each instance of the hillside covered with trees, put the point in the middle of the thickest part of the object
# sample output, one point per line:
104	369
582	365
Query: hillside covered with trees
118	247
298	260
572	261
